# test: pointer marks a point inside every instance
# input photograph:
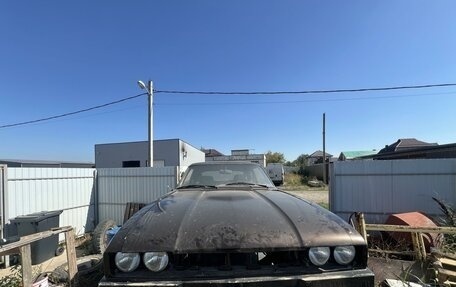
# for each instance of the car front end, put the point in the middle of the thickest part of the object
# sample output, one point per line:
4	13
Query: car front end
227	225
315	266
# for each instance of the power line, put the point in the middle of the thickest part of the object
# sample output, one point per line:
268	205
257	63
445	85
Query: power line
236	93
71	113
302	101
308	91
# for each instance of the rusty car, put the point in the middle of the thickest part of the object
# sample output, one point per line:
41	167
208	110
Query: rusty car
226	224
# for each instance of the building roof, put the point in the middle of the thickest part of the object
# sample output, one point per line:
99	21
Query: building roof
355	154
319	153
144	142
405	144
211	152
432	151
32	163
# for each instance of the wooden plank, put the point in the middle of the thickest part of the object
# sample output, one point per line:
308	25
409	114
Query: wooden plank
26	258
71	257
449	264
126	212
421	246
16	250
440	254
447	273
26	240
131	208
406	228
371	250
362	225
416	246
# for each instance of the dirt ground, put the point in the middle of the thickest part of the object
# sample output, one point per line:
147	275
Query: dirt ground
317	195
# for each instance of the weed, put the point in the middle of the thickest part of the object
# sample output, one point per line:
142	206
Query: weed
449	219
14	279
292	179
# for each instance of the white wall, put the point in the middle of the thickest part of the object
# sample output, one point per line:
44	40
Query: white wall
112	155
172	152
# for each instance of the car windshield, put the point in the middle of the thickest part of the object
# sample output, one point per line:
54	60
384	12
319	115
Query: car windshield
215	175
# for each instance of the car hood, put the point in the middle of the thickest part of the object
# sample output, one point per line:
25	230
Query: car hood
212	220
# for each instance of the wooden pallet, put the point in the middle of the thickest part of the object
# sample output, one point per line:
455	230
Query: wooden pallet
445	267
131	208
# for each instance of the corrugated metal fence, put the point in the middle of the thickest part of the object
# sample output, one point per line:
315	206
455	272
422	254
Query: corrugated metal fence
30	190
117	186
85	195
382	187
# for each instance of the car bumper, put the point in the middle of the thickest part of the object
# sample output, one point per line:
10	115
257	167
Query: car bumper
355	278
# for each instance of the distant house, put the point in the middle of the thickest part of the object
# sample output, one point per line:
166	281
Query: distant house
240	155
45	163
317	157
168	152
405	144
211	152
430	151
351	155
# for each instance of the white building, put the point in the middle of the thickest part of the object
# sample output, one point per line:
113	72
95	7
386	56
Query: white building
240	155
171	152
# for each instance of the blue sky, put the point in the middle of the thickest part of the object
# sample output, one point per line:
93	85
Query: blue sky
62	56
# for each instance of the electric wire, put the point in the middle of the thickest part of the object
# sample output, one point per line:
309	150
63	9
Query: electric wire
237	93
299	101
309	91
71	113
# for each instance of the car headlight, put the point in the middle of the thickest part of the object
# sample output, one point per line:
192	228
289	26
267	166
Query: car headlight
344	254
319	255
127	262
155	261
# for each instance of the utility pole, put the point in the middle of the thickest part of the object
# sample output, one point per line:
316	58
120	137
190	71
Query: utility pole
324	150
150	104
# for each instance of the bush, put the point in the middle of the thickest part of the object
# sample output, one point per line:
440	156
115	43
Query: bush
449	219
292	179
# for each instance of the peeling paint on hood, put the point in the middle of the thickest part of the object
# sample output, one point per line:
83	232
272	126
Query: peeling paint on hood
235	219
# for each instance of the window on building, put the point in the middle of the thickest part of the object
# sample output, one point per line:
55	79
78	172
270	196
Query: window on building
131	163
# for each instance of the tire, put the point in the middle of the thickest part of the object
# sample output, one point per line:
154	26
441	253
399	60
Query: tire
59	251
90	271
99	237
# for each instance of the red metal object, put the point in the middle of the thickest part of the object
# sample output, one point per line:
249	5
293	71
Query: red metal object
413	219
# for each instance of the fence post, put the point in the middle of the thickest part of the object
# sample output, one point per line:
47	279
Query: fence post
418	245
71	256
26	258
361	225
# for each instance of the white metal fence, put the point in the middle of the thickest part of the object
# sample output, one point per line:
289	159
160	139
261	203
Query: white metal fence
85	195
30	190
382	187
117	186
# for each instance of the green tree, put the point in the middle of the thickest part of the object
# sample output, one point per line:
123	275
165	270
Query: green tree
274	157
301	163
